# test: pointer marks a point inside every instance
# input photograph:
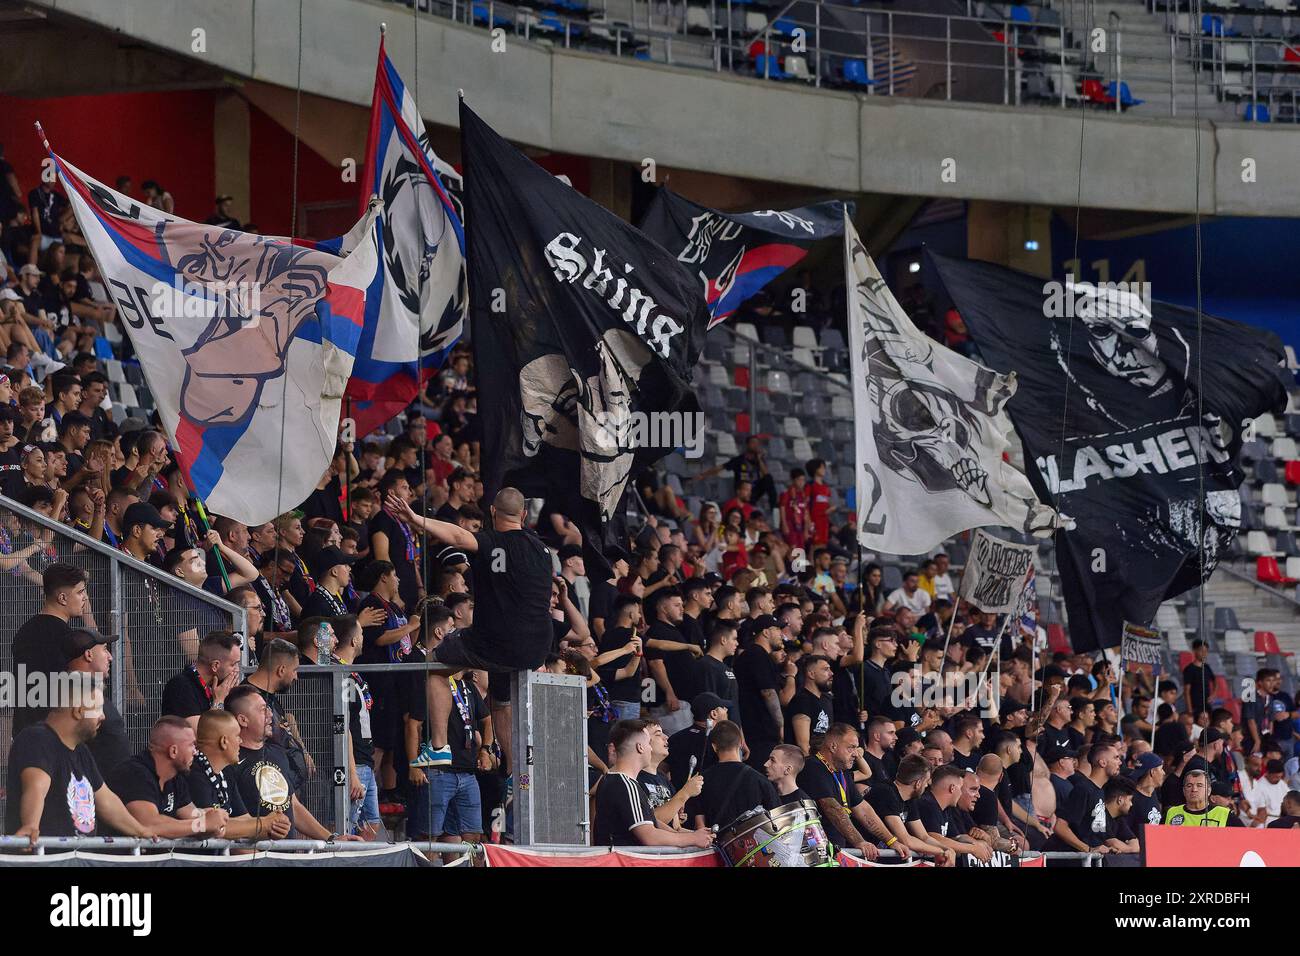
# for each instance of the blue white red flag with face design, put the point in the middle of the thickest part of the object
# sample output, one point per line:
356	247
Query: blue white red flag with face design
246	342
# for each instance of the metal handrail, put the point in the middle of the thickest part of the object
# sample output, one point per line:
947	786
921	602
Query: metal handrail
763	347
138	844
1258	585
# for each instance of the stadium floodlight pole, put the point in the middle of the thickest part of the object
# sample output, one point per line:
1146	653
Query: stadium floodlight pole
216	550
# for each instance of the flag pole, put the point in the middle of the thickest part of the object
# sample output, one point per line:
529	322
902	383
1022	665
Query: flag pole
203	517
956	607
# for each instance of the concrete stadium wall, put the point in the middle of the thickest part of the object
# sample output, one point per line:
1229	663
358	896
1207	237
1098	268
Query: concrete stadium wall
627	110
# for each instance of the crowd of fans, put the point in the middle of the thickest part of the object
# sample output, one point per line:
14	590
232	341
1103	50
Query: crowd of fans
746	656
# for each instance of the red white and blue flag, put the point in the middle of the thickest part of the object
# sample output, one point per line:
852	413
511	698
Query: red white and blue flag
416	301
246	342
735	255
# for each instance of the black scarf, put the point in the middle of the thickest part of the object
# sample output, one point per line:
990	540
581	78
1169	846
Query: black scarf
220	788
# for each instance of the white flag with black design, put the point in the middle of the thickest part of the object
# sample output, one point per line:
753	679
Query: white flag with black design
931	429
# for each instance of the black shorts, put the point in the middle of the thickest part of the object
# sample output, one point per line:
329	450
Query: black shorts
457	650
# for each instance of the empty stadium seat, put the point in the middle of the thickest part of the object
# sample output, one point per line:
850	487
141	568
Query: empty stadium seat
1056	639
1284	448
1126	98
1256	113
796	68
1265	426
842	406
697	20
727	445
1293	568
769	67
803	451
1292	472
1266	643
854	72
1221	691
1258	543
792	427
1234	642
1268	572
1275	495
1275	519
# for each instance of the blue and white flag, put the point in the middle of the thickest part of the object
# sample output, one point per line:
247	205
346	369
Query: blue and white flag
246	342
416	302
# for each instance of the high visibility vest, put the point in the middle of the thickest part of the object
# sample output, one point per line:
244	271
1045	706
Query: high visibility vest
1214	817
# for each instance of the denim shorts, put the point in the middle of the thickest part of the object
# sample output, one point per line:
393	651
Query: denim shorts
366	810
626	709
448	804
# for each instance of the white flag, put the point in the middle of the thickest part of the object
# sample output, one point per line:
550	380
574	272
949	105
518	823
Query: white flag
931	428
246	342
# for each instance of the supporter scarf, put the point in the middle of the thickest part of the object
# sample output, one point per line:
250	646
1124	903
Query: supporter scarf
220	788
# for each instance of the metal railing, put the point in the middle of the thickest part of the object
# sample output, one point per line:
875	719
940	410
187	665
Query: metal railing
136	846
157	618
1046	62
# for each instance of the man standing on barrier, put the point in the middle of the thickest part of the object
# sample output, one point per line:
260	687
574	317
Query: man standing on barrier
511	569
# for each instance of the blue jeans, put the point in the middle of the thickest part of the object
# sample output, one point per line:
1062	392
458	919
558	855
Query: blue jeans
448	804
626	709
365	810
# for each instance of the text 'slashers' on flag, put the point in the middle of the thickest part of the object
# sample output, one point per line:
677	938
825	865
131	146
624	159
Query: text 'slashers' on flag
1131	413
579	320
246	342
931	429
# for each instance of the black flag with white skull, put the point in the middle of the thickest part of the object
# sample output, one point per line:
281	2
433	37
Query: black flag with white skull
1132	419
585	333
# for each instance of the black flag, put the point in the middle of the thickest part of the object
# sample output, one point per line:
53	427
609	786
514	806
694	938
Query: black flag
735	255
585	332
1132	421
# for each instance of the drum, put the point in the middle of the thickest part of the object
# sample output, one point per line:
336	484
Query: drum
790	835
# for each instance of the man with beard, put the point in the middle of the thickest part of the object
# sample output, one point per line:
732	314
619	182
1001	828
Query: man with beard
808	715
216	748
152	785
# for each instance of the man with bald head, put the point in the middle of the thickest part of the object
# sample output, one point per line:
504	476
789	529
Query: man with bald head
511	570
216	748
152	785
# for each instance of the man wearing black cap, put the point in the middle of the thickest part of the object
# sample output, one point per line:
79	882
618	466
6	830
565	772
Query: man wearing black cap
765	687
1061	766
574	571
222	217
1147	774
693	741
332	570
143	528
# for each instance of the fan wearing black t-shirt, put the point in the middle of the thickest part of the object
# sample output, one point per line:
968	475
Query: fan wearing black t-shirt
216	748
1083	824
511	568
731	787
938	820
624	624
765	687
895	803
153	788
809	715
623	813
713	675
54	787
783	767
828	779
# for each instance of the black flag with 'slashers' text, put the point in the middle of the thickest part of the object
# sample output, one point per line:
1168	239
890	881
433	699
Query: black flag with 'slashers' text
1132	420
583	330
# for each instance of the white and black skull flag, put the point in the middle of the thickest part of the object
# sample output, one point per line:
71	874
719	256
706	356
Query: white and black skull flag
995	573
1131	413
930	428
582	327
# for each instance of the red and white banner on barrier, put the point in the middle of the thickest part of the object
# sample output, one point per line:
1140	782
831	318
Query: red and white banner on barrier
844	859
1226	846
595	856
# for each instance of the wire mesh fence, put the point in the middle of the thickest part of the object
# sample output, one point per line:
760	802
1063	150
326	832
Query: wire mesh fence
157	619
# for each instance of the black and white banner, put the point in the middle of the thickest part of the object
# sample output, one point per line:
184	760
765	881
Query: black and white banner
931	430
584	330
1131	413
995	573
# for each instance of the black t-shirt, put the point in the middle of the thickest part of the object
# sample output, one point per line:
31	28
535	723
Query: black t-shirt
1085	811
74	778
1200	679
985	811
844	695
512	598
882	768
966	761
400	554
622	805
1145	810
265	781
629	688
109	746
816	709
324	502
356	691
185	695
601	601
682	746
658	789
693	632
1171	739
755	673
934	818
876	689
680	665
137	779
715	677
888	802
321	603
37	645
1053	737
731	789
205	793
817	780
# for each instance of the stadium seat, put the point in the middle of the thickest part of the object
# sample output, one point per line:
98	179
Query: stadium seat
1225	619
803	356
742	377
1185	658
1020	14
1258	544
126	395
1234	642
769	67
1094	92
803	452
1221	692
854	72
697	20
1266	426
842	406
1266	643
113	369
1056	639
1126	98
1286	544
1293	568
792	427
1268	572
1292	472
1266	471
746	330
1256	113
1275	519
804	337
1284	449
727	445
1275	495
784	26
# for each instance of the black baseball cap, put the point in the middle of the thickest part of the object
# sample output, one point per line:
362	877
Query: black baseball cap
75	642
327	558
1211	735
763	622
570	551
1144	765
1057	754
1195	764
704	704
713	577
143	513
615	553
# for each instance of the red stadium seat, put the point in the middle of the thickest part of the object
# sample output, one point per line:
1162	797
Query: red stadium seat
742	377
1233	706
1056	639
1266	643
1268	572
1094	92
1185	658
1221	690
742	423
1292	472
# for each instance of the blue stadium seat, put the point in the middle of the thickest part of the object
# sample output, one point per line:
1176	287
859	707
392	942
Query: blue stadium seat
1125	97
1021	14
784	26
768	66
1257	113
855	72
